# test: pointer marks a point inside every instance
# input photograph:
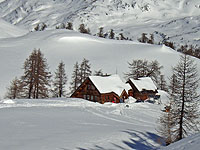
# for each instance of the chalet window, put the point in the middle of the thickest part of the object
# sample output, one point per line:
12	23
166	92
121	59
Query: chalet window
92	97
88	87
84	97
88	97
95	98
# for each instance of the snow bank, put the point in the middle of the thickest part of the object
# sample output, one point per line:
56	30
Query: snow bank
8	101
63	102
189	143
130	100
164	97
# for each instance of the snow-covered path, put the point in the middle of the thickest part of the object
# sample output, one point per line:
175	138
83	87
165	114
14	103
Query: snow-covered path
77	124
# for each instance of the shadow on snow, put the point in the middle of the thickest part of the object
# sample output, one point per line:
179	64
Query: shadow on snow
143	141
138	141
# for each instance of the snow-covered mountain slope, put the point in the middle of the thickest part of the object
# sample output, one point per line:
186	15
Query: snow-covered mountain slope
7	30
75	124
28	13
189	143
109	55
177	19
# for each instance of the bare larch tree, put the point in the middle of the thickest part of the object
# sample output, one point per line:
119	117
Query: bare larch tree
75	81
143	68
13	91
36	78
60	81
185	97
85	70
183	101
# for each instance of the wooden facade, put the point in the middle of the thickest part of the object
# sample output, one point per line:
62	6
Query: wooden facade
141	95
87	90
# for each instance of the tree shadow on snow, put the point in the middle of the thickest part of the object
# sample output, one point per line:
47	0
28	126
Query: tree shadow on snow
143	141
96	147
137	141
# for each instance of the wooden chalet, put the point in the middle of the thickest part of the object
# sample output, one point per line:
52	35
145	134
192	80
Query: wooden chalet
102	89
142	88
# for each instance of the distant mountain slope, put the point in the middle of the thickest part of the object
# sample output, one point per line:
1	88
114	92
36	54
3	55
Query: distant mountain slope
28	13
109	55
177	20
7	30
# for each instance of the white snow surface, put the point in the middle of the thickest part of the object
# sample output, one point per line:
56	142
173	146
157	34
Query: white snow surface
145	83
109	84
77	124
189	143
7	30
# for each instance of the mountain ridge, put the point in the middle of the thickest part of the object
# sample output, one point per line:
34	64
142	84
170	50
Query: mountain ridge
129	17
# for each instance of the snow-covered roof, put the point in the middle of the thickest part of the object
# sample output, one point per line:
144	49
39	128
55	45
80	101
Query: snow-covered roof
144	83
109	84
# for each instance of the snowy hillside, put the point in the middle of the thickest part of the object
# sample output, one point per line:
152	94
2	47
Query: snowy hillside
70	47
75	124
174	20
7	30
109	55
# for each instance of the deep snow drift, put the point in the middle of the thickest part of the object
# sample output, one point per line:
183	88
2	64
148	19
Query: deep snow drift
189	143
67	124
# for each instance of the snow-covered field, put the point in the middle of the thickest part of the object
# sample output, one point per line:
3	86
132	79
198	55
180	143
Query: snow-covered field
65	124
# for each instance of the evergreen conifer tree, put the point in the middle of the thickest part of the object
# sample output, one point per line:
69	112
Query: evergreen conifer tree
69	26
98	73
82	29
122	37
100	34
111	34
